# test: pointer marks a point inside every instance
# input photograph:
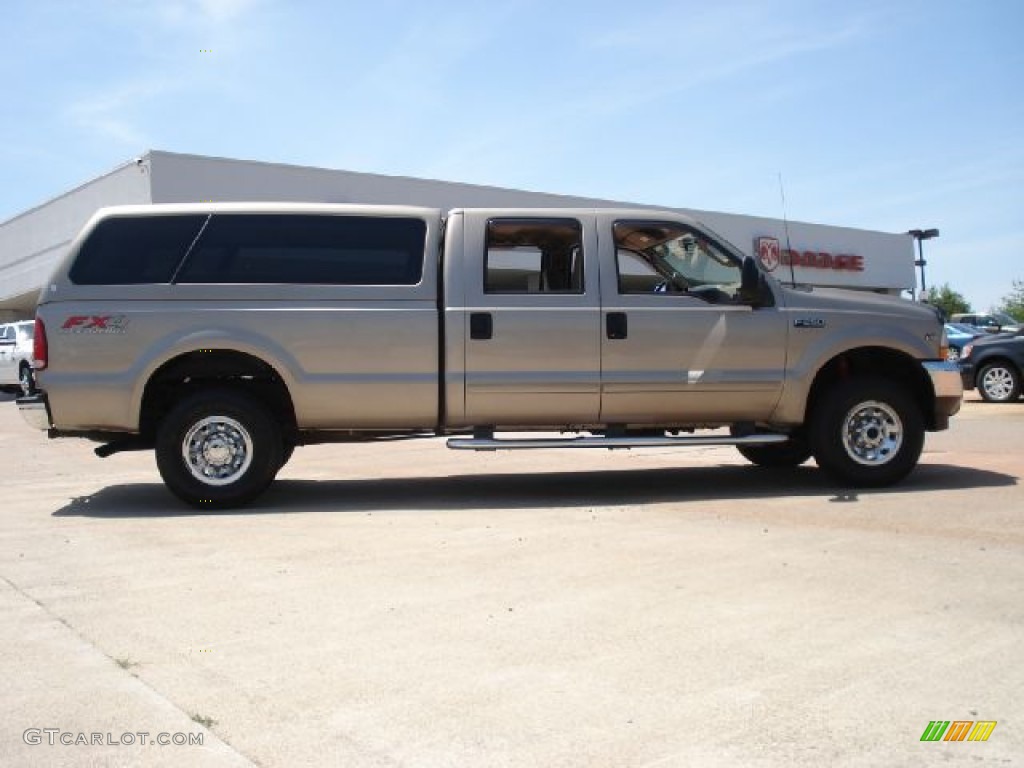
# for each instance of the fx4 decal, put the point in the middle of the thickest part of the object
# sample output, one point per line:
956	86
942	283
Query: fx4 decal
93	324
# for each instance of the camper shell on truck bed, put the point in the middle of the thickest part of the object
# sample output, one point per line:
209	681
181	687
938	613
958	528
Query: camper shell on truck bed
224	335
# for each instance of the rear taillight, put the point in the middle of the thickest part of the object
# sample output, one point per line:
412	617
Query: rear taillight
40	351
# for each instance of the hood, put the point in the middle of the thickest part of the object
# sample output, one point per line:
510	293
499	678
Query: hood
844	300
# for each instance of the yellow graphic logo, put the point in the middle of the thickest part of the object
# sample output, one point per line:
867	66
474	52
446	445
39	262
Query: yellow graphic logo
958	730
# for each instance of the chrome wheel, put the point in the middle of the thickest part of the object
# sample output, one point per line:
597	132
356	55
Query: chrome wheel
998	383
872	433
217	450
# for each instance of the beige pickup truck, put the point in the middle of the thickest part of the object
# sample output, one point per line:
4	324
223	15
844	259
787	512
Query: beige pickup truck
225	335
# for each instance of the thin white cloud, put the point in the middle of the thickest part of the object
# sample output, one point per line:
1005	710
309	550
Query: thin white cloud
226	10
121	111
110	114
186	12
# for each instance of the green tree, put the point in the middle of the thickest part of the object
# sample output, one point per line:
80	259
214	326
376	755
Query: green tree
948	300
1013	302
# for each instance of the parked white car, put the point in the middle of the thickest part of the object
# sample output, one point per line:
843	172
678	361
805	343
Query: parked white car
16	357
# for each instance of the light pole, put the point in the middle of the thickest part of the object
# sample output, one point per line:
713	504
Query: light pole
920	235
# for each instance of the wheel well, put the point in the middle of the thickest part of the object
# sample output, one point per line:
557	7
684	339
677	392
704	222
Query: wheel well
191	371
883	363
997	359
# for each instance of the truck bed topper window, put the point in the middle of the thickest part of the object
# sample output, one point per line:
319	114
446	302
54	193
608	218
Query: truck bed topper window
253	249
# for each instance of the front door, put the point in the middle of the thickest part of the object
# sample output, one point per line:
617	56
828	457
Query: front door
677	345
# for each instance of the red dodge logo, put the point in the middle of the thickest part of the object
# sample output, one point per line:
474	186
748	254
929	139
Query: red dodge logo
768	253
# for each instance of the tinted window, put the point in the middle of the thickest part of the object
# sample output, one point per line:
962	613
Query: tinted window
299	248
534	256
133	250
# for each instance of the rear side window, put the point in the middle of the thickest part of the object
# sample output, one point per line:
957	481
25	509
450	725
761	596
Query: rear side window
135	250
310	249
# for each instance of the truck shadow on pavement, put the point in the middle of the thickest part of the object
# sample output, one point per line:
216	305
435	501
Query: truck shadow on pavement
529	491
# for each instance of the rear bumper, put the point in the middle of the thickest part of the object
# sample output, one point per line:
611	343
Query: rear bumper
949	390
35	410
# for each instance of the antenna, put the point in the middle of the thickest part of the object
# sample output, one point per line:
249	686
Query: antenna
785	224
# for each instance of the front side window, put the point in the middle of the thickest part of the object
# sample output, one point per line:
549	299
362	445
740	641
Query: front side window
534	256
307	249
667	257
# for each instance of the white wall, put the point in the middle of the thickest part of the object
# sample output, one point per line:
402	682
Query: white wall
34	241
888	258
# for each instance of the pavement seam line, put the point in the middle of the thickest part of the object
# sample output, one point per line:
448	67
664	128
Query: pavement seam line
43	607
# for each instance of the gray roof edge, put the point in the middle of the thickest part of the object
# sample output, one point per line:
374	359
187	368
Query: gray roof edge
391	177
78	188
574	201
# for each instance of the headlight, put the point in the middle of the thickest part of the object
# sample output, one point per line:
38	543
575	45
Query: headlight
967	351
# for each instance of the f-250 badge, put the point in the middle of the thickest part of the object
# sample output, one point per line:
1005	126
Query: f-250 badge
809	322
93	324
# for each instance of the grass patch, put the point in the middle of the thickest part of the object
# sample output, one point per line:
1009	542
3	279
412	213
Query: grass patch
206	722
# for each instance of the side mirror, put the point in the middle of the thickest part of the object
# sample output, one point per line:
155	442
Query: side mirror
752	282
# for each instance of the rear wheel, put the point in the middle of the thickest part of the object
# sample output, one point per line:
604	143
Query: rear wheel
867	432
218	448
999	382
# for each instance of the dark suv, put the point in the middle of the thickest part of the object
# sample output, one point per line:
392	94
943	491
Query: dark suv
995	365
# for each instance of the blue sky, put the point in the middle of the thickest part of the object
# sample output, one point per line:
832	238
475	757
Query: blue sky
881	114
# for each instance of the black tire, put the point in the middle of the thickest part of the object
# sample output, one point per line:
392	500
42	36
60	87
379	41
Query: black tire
998	382
287	449
792	453
867	432
218	448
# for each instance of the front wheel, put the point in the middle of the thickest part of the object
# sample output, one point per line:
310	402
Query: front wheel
999	382
867	432
218	448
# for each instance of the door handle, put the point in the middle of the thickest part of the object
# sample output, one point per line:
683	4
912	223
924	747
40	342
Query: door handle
481	325
615	325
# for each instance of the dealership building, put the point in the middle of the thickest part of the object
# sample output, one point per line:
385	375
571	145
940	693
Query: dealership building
32	242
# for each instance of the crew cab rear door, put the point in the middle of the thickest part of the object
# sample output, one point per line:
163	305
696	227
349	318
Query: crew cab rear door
528	319
677	345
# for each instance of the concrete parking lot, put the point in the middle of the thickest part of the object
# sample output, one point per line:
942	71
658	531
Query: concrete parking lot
403	605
